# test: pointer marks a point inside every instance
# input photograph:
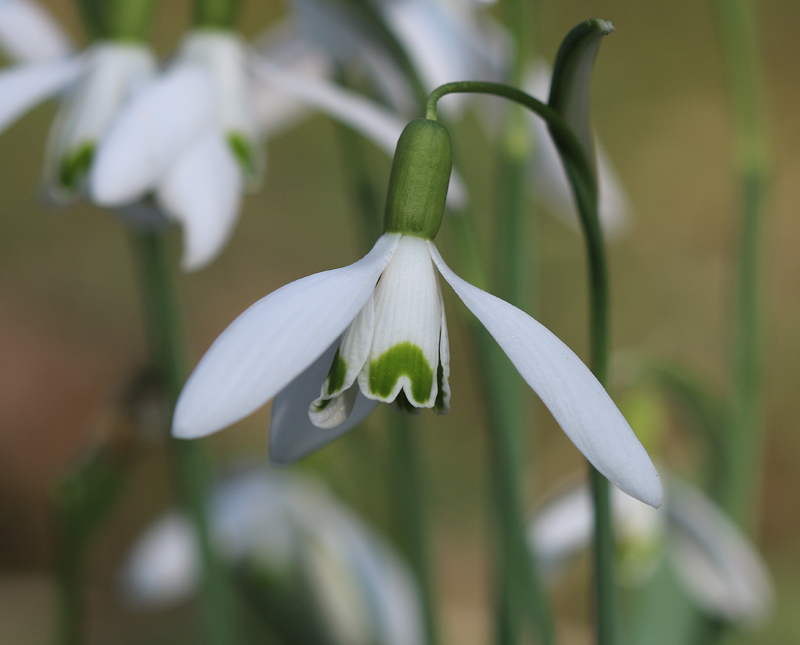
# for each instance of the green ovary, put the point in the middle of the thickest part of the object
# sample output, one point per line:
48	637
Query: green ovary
404	359
74	166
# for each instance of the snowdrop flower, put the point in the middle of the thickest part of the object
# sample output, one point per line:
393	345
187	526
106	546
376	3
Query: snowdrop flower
98	82
387	314
289	541
716	564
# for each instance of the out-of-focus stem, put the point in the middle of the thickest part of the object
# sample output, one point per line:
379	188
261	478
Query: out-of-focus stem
739	489
190	459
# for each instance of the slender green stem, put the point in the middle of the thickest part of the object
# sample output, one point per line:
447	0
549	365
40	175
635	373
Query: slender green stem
744	438
190	459
520	597
121	20
409	486
216	14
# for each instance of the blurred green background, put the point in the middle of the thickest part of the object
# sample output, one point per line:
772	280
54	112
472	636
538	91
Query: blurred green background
71	333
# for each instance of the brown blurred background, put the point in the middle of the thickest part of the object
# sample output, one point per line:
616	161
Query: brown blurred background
71	333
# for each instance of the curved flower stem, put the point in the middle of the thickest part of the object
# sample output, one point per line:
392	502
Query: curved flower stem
190	459
409	489
584	184
738	492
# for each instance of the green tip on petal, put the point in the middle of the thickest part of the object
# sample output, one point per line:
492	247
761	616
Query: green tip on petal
404	359
337	373
419	180
243	152
74	167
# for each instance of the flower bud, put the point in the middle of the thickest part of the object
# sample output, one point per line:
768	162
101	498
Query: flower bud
419	180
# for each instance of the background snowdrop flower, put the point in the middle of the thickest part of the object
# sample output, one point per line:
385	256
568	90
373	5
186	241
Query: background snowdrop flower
716	564
288	541
99	81
387	310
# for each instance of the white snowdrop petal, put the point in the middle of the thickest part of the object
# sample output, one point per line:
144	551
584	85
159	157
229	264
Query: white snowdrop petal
718	566
561	529
24	86
164	565
274	341
202	191
164	119
292	435
570	391
408	317
28	34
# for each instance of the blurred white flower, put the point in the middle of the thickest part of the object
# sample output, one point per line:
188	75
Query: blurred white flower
192	136
99	81
716	564
292	545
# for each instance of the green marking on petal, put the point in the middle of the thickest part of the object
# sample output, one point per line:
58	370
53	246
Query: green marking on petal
337	373
439	405
322	405
243	152
74	166
404	359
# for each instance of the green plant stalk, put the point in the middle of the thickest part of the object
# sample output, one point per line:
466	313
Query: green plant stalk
521	596
119	20
582	178
216	14
190	459
739	491
409	489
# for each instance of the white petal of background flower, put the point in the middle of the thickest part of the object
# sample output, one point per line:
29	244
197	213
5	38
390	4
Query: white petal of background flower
716	563
284	45
275	340
164	565
375	122
570	391
292	436
202	191
149	134
28	34
113	72
24	86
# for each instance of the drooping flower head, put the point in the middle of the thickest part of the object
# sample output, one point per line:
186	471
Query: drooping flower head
377	328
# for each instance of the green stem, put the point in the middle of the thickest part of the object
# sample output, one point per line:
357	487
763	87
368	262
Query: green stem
190	459
745	443
409	486
119	20
216	14
521	596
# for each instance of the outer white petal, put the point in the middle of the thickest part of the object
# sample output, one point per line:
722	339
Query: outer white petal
292	436
375	122
28	34
202	191
561	529
24	86
164	565
717	564
570	391
275	340
149	134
